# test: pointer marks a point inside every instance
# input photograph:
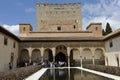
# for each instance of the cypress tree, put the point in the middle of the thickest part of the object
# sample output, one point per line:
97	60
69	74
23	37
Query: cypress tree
103	32
108	29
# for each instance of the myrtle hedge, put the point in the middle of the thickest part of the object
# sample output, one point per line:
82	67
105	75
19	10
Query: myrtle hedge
19	73
106	69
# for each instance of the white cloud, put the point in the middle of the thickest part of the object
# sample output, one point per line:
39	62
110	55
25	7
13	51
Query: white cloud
29	10
12	28
102	12
118	3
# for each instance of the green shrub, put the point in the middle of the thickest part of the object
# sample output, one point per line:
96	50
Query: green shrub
106	69
19	73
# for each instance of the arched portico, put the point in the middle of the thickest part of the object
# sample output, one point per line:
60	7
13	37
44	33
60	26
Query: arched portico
36	55
74	57
99	56
61	54
87	56
48	56
24	57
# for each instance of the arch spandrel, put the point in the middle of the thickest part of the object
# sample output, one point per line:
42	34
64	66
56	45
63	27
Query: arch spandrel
48	55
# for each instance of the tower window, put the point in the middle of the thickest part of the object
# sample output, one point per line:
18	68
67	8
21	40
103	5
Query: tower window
24	29
74	26
96	28
59	28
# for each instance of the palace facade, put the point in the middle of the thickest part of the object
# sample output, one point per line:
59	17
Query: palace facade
59	37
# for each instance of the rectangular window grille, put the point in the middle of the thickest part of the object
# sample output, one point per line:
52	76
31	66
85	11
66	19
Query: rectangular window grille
5	41
111	44
59	28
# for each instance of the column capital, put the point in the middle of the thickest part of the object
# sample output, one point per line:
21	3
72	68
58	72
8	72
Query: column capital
30	51
42	48
53	48
42	53
68	47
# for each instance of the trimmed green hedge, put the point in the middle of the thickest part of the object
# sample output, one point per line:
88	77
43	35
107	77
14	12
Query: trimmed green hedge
19	73
106	69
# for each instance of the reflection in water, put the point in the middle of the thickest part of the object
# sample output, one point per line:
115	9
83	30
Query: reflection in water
70	74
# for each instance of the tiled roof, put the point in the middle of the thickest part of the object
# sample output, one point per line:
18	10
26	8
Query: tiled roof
109	36
5	31
62	39
112	34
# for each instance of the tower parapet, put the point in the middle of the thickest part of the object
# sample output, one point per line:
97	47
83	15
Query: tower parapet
59	4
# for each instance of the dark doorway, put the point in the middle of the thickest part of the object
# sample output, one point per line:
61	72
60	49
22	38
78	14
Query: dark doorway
60	57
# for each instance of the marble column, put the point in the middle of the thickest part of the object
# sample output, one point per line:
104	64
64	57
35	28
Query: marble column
105	57
68	61
93	53
81	60
81	50
68	53
30	54
42	53
53	52
93	59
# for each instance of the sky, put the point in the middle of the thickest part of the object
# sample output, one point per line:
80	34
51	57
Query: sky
14	12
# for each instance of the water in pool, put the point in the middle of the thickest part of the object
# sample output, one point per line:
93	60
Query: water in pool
70	74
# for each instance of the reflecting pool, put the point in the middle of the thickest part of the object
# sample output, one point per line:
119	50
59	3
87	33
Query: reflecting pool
70	74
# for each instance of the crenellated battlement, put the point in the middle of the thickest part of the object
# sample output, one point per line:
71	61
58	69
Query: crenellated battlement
58	4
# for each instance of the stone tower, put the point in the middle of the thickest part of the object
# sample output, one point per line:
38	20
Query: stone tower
58	17
24	29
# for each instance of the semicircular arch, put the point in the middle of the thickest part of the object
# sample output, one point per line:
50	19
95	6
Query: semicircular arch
36	55
99	56
24	56
87	56
75	57
48	55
